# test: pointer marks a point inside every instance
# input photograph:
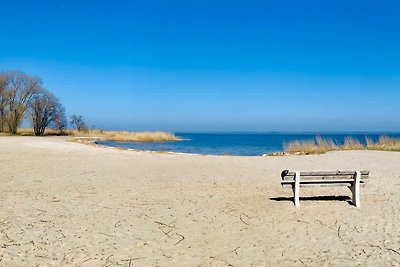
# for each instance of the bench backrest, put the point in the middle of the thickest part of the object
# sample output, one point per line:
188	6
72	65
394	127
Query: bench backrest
322	177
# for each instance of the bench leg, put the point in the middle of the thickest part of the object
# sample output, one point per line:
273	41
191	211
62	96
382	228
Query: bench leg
355	190
296	189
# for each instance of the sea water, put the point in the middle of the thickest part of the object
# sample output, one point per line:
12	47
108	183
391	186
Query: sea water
240	144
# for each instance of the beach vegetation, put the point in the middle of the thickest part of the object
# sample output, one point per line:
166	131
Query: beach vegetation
17	93
323	145
3	102
125	136
46	110
22	97
94	135
384	143
78	123
60	122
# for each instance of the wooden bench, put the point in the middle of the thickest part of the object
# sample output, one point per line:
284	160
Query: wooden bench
353	179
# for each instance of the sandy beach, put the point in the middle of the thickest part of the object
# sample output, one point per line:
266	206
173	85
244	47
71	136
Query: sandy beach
70	204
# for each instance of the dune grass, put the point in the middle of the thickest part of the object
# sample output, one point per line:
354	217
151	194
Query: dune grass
119	136
351	143
318	146
29	132
125	136
322	145
384	143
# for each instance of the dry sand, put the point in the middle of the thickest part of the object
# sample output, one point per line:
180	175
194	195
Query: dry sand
69	204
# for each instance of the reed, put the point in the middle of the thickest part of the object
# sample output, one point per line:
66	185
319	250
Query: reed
326	144
119	136
321	145
125	136
307	147
351	143
384	143
29	132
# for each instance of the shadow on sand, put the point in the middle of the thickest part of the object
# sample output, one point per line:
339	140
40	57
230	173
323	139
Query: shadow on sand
315	198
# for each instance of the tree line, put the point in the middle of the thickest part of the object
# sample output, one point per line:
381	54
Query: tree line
23	96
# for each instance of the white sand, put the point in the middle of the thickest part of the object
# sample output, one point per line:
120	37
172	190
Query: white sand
64	203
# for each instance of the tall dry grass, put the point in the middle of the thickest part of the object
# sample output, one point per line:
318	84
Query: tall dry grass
326	143
125	136
351	143
120	136
317	146
302	147
384	143
29	132
321	145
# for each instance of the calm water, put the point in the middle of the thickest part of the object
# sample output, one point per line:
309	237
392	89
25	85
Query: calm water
235	144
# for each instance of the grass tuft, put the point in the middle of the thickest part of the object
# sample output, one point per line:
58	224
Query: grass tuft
351	143
319	146
384	143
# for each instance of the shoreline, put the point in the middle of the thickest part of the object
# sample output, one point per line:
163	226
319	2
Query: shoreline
88	140
270	154
92	142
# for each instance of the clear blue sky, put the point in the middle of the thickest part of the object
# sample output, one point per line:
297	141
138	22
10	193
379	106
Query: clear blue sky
213	65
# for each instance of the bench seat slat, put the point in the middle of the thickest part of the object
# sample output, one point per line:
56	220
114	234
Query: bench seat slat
325	173
323	177
323	185
322	181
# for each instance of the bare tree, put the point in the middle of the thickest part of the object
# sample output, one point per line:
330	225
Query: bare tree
45	110
78	122
21	90
3	100
60	121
